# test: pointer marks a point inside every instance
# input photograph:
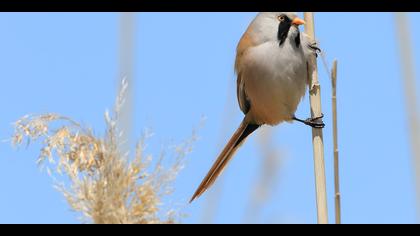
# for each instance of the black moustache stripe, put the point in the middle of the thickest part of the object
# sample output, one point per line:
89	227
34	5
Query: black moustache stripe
283	31
297	39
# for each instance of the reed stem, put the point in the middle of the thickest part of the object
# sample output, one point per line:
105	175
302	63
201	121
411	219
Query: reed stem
408	70
317	135
337	195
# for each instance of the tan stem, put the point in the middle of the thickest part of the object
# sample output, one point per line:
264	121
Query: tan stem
126	60
337	196
410	93
317	136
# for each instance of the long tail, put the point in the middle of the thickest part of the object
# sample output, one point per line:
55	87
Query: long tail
234	143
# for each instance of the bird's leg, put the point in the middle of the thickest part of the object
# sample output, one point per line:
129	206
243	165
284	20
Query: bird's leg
315	122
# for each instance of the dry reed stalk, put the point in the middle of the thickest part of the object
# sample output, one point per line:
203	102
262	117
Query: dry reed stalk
337	196
317	136
266	181
127	26
409	81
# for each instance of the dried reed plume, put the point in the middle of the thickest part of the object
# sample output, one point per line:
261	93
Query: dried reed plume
105	185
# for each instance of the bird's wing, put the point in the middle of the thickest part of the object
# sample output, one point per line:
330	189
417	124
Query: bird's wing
243	101
244	45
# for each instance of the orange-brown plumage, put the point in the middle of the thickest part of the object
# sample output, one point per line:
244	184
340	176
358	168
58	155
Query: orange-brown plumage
245	42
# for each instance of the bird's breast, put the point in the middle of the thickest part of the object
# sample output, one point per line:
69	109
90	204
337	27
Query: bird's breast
274	81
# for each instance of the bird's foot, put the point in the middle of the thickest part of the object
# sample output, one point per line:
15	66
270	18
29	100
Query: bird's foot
315	122
314	46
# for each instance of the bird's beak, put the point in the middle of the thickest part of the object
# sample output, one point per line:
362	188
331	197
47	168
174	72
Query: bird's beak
298	21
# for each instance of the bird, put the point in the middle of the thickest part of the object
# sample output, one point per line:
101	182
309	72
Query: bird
271	68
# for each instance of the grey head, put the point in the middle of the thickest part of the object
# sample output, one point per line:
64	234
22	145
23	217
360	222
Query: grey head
276	26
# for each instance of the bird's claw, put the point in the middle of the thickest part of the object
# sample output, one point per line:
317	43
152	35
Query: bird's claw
315	122
314	46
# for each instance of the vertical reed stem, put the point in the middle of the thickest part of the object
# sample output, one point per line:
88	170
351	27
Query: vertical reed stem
337	196
404	39
317	136
126	60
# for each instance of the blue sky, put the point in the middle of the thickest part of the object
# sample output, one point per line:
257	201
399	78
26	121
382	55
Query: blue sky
67	63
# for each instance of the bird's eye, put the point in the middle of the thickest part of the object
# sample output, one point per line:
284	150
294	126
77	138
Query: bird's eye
281	18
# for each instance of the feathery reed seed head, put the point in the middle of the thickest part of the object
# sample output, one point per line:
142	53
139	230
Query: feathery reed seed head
105	185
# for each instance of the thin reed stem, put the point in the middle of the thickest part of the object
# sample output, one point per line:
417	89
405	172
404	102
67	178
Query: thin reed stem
337	195
126	55
317	135
404	40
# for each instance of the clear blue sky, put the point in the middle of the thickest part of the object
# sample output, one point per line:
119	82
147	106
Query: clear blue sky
67	63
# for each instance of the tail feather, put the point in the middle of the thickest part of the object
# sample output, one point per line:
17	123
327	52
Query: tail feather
225	156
